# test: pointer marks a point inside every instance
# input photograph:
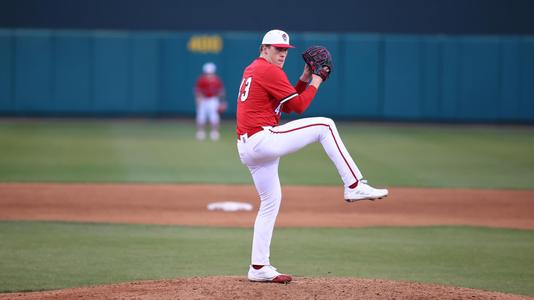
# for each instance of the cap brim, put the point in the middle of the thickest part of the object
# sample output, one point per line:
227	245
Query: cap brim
283	45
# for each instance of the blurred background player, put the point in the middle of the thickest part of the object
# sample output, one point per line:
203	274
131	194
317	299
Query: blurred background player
210	102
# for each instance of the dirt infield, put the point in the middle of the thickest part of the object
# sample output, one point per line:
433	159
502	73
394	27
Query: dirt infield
303	206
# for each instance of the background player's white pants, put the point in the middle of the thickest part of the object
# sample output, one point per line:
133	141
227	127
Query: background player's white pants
207	110
261	154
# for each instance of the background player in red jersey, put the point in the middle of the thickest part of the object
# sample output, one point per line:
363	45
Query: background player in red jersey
209	97
265	93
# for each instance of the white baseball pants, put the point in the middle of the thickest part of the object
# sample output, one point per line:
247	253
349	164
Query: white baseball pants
261	154
207	110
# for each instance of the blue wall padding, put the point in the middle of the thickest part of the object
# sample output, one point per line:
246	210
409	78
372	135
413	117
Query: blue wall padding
73	72
376	76
6	71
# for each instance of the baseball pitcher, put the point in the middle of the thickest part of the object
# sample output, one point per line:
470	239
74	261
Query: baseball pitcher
265	93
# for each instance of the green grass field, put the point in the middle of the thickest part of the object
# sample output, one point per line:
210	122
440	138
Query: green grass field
51	255
152	151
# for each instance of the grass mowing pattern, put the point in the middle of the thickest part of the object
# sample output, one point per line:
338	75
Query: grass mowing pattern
51	255
123	151
166	152
36	256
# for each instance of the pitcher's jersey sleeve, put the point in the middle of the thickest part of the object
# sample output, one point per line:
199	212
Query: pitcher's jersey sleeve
275	81
287	97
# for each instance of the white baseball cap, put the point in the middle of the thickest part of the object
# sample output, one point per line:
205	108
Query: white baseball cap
209	68
277	38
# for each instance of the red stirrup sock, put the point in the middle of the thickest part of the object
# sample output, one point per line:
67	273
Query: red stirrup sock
354	185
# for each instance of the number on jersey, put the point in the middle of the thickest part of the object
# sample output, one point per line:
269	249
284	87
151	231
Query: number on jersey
243	91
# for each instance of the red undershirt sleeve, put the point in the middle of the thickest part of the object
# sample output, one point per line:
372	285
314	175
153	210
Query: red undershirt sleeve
301	86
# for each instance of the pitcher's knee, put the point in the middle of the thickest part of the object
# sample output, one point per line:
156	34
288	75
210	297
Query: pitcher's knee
326	121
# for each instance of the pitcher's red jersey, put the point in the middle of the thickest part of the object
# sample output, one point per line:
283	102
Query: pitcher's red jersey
264	89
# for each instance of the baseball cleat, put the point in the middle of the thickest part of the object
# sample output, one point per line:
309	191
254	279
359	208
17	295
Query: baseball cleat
267	274
364	192
201	135
214	135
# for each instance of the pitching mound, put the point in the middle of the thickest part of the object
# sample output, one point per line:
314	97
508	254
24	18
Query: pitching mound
239	288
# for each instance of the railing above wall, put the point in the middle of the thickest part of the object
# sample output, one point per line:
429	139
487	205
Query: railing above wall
376	76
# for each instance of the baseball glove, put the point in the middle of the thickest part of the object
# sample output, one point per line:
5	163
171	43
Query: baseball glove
319	61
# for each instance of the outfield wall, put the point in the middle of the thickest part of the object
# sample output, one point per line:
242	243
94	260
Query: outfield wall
376	76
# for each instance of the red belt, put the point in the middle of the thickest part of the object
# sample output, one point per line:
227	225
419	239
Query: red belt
251	132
